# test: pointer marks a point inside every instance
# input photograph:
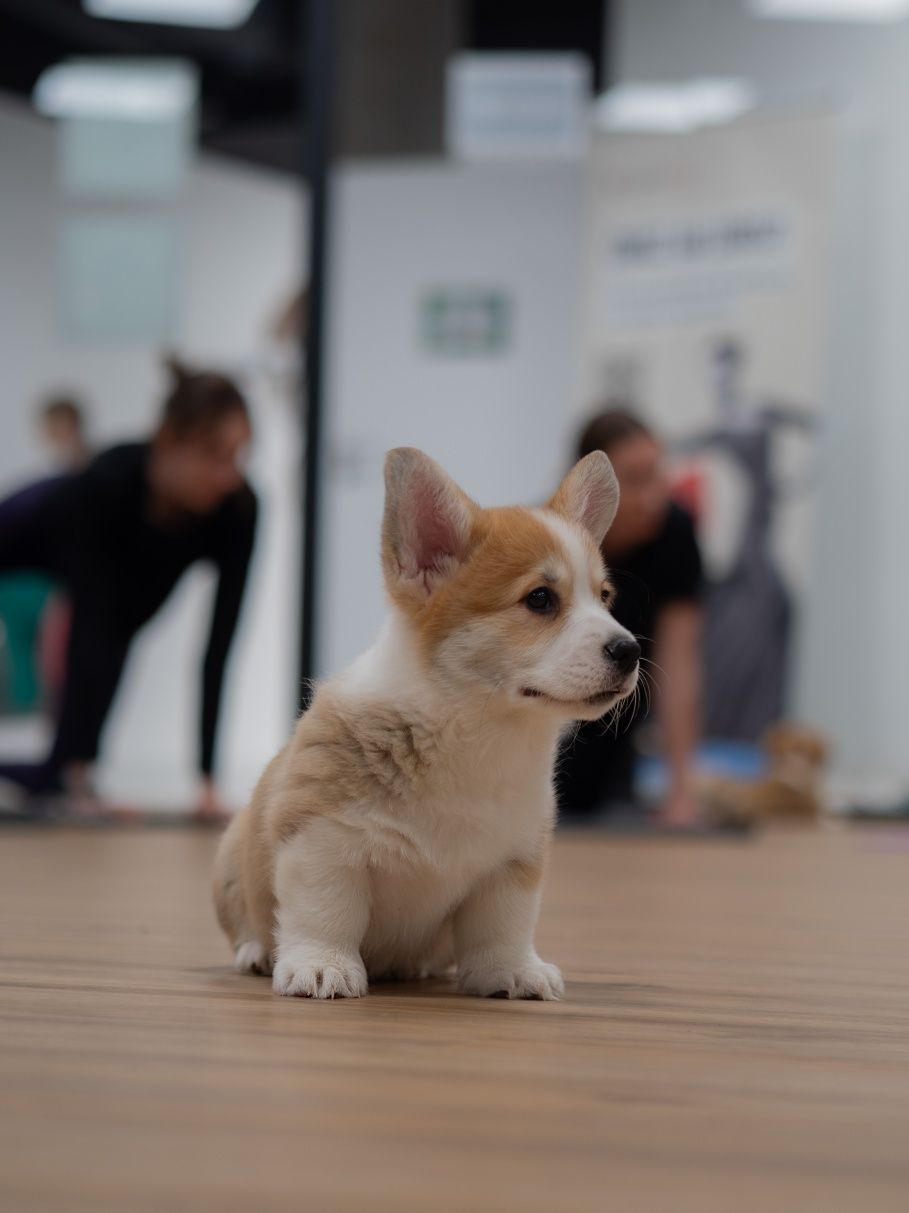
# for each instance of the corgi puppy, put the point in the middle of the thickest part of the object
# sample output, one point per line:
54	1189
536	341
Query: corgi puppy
403	829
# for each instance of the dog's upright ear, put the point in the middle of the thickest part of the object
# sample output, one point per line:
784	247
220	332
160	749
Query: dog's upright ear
428	525
589	494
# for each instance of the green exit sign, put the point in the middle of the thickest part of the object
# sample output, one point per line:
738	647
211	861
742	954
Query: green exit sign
466	322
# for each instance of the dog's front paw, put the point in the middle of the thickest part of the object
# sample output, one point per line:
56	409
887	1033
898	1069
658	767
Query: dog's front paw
304	974
532	978
251	957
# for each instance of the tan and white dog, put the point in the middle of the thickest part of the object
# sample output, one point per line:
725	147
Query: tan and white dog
404	826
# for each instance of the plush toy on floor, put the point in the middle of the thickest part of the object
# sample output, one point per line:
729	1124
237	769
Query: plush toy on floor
790	791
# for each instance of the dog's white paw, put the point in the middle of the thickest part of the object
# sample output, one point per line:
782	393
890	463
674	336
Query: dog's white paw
532	978
307	975
251	957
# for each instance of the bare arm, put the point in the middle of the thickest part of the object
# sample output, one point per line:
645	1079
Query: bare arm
678	659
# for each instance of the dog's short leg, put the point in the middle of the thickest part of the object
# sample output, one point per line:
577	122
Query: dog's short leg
250	954
493	931
322	914
251	957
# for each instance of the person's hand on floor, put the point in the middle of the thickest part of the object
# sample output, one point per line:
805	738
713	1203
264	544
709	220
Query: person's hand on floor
680	811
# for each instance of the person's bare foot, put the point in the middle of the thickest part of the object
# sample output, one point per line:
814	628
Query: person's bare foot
210	809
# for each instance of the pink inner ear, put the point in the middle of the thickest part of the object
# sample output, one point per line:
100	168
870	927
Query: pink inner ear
435	540
596	506
433	535
595	500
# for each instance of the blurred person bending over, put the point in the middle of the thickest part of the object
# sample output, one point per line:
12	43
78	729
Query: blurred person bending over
119	535
654	563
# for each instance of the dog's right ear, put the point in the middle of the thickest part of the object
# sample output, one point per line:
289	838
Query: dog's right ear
426	532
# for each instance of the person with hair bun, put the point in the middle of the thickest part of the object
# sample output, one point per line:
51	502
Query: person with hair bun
118	536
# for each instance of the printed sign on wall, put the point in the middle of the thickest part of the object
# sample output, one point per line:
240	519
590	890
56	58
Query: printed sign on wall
698	268
465	322
707	256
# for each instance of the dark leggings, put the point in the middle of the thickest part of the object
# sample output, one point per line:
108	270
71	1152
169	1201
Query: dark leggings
97	649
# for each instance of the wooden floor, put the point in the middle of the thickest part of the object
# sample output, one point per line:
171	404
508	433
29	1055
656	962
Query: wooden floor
735	1037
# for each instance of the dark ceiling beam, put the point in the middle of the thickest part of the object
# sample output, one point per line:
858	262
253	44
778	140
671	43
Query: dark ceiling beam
256	45
392	56
70	25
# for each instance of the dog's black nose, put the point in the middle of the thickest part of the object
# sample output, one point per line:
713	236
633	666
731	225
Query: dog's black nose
623	653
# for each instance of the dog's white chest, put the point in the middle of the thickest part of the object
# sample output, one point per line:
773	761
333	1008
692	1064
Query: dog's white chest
429	858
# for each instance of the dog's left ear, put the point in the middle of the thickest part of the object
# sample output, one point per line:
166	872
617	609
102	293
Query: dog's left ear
589	494
428	524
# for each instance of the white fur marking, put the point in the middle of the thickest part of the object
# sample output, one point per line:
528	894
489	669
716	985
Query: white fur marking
573	667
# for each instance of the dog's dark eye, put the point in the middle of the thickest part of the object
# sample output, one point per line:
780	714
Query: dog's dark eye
541	600
607	596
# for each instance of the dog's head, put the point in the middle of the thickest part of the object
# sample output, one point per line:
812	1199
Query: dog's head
511	602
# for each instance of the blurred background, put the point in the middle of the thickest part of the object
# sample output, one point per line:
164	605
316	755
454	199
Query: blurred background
468	226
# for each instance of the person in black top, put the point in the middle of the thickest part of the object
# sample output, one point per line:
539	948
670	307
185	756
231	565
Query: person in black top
653	561
119	535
